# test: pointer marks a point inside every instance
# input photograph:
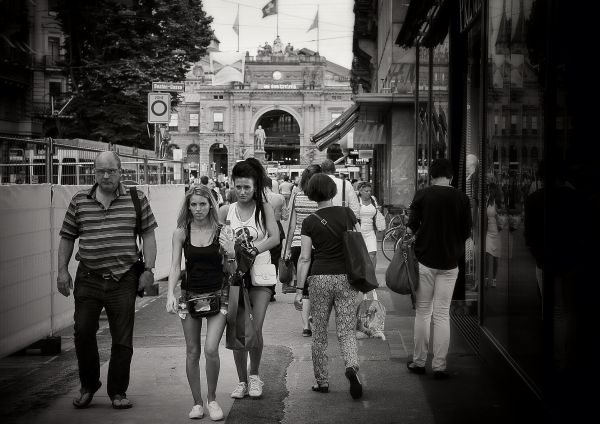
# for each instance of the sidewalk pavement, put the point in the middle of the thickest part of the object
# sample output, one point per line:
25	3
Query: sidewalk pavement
160	392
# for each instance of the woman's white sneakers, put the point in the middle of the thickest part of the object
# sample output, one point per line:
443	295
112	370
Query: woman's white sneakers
240	391
197	412
214	411
256	386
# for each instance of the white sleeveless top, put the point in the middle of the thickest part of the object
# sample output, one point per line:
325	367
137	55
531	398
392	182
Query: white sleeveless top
253	232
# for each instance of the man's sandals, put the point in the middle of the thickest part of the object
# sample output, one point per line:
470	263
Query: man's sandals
85	397
121	402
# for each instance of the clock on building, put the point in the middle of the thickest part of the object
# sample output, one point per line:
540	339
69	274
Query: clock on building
276	75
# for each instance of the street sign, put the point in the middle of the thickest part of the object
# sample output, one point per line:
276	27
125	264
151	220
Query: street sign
175	87
159	108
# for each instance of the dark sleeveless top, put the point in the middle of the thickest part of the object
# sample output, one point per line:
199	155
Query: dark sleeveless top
204	266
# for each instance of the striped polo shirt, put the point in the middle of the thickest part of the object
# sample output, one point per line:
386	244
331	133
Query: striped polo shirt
107	240
303	207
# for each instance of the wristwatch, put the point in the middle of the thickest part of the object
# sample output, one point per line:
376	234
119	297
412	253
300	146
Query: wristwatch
149	269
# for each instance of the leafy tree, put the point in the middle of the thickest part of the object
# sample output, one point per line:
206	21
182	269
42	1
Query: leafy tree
115	49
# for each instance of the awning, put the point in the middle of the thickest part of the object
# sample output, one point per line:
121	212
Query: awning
334	132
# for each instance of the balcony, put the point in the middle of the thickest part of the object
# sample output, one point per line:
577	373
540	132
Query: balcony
54	61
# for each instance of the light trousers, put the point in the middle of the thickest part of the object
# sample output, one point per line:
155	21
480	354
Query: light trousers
433	298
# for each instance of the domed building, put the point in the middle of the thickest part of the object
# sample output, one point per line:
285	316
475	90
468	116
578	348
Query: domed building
231	98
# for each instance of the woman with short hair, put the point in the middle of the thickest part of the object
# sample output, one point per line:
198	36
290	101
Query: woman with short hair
329	286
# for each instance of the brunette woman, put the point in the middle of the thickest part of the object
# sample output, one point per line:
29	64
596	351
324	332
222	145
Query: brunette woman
251	218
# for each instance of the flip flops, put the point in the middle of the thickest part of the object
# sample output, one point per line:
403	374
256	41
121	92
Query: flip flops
121	402
85	397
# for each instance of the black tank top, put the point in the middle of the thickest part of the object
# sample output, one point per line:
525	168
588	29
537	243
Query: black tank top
204	265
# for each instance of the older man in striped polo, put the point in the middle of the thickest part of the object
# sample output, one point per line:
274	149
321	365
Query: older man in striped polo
104	220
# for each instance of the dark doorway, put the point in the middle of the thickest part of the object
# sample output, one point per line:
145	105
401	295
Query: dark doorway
218	159
283	137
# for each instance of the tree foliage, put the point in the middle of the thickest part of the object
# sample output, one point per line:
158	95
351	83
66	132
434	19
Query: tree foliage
115	49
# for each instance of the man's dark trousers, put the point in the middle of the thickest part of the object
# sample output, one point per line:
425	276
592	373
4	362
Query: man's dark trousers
92	292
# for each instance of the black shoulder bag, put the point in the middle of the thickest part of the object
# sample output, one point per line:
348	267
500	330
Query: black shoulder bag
139	266
359	268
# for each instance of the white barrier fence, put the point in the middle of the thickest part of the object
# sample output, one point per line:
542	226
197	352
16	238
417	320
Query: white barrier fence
30	219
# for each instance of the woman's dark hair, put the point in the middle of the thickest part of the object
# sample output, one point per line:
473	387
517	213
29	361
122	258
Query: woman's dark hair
320	187
253	169
268	182
307	173
441	168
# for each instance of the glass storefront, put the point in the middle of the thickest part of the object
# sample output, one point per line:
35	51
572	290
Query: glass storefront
512	309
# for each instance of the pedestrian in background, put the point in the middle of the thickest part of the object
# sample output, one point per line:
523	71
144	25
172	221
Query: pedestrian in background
254	220
285	188
302	207
104	220
328	282
197	236
280	211
349	199
368	210
440	218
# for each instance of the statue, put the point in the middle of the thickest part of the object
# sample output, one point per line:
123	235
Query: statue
277	46
289	50
259	138
267	49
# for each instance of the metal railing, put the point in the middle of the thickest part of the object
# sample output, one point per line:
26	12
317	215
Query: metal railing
68	162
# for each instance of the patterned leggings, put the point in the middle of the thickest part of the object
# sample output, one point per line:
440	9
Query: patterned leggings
327	291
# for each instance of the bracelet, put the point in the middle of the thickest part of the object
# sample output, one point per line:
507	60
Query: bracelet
255	250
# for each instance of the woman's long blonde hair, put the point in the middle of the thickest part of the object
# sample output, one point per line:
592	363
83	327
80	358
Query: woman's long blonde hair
185	216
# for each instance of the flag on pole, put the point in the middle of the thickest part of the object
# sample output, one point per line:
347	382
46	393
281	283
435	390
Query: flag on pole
236	24
315	23
270	9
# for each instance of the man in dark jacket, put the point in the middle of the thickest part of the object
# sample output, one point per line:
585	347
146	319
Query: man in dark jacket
440	217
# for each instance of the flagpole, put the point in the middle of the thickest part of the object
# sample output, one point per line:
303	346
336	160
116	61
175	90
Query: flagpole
238	31
318	29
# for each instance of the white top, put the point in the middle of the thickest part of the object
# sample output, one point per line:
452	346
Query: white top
351	199
367	212
253	232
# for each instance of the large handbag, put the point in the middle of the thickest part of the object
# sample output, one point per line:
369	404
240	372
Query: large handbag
359	268
286	271
402	275
378	219
240	333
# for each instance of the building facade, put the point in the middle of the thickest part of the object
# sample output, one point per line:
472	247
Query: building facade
516	135
33	82
289	94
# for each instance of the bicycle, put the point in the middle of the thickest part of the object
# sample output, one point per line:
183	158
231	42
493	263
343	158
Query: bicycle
394	215
394	235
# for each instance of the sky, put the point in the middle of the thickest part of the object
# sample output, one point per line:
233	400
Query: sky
336	23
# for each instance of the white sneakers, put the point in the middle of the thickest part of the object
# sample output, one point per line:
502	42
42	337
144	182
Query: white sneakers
240	391
197	412
214	411
256	386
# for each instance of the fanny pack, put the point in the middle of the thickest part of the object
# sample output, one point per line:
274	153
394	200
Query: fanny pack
201	305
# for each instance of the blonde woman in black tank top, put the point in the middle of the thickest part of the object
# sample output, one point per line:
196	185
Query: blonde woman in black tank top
197	236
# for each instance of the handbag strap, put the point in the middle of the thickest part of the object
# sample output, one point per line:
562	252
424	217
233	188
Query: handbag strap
324	222
290	223
344	192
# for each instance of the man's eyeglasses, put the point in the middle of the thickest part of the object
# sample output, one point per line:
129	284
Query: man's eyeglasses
109	171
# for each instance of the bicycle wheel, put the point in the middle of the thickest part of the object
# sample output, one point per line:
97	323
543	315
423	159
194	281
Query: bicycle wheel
388	242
